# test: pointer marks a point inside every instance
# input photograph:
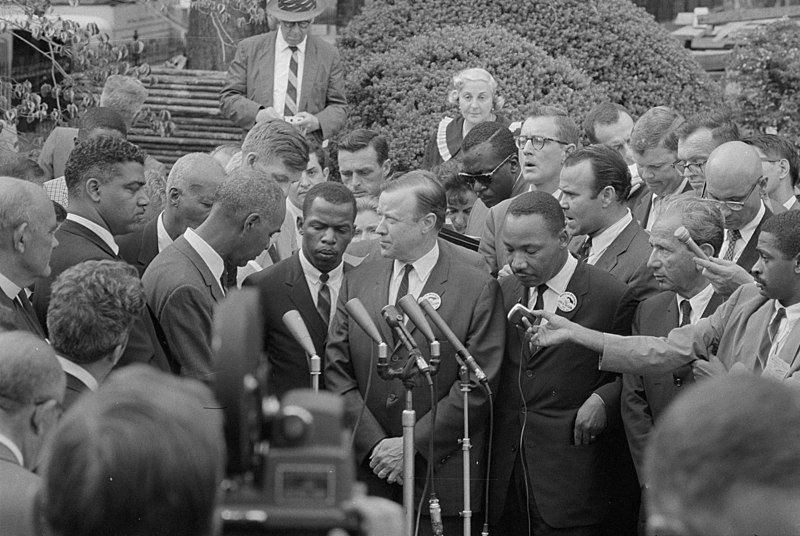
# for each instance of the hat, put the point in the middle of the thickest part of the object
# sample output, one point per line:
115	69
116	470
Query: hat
295	10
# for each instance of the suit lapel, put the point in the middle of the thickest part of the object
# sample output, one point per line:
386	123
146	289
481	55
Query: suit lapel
310	68
790	350
620	245
378	296
208	278
715	301
300	295
579	286
149	243
436	282
756	328
749	254
77	229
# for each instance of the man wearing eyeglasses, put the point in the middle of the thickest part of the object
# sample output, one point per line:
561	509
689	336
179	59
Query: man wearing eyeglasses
734	181
697	137
32	388
779	164
288	75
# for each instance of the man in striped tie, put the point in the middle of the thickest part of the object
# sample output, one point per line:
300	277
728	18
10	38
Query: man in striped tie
287	74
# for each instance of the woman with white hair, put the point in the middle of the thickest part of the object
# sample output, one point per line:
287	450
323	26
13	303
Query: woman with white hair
475	92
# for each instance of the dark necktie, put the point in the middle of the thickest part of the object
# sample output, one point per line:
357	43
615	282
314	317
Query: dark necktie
686	313
733	236
290	104
403	289
540	290
24	311
683	373
583	251
768	340
324	299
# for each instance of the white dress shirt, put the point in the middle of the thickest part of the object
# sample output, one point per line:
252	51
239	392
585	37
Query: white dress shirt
104	234
207	253
605	238
556	286
280	79
698	302
417	277
9	288
164	239
335	278
747	233
788	323
10	445
74	369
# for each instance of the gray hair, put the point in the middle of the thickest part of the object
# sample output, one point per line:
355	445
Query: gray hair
657	126
18	203
123	94
429	193
190	165
277	140
702	218
247	191
475	74
29	371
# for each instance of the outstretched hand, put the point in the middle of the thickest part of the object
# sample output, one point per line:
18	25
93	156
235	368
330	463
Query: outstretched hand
550	330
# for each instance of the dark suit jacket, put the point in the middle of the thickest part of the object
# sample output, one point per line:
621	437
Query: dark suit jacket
18	488
641	212
76	244
491	246
749	255
250	79
471	305
139	248
644	398
567	480
75	388
182	292
283	287
22	321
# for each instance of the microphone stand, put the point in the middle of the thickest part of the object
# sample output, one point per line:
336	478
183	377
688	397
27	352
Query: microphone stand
466	445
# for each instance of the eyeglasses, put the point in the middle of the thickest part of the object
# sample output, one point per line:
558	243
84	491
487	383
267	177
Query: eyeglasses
484	179
695	168
301	24
733	206
537	142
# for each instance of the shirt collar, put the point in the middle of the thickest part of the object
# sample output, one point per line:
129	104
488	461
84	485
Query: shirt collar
8	287
313	273
206	252
558	283
749	228
164	239
699	301
73	369
789	203
792	312
10	445
281	44
103	233
603	239
423	266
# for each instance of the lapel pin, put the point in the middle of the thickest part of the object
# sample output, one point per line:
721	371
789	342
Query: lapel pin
567	302
433	298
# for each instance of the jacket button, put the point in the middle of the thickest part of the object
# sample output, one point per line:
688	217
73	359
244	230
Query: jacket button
677	381
529	373
514	448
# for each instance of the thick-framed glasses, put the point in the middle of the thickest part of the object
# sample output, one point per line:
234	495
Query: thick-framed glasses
537	142
733	206
695	168
300	24
484	179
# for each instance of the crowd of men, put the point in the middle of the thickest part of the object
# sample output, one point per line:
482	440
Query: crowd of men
649	384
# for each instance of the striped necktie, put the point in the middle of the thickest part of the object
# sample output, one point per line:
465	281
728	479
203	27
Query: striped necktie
324	299
733	236
290	105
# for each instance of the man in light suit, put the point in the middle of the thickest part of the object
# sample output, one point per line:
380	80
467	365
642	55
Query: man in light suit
287	74
297	284
27	227
191	186
754	330
594	187
31	394
412	210
553	444
105	177
780	163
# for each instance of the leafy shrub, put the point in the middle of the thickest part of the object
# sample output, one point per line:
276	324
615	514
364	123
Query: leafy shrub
762	79
618	45
403	92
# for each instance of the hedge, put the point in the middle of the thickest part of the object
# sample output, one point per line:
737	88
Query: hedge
618	45
763	76
403	92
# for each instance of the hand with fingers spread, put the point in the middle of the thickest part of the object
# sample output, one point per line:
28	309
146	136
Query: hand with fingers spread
386	460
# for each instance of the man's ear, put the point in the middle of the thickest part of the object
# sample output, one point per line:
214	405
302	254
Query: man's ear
174	196
785	168
563	238
708	249
387	168
252	220
300	224
92	189
513	164
43	415
18	237
251	159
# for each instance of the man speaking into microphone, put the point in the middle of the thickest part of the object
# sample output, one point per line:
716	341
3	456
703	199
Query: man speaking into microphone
412	211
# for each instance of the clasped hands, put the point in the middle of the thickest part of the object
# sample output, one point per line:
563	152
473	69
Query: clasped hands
304	121
386	460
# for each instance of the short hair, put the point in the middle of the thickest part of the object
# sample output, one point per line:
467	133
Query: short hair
92	308
474	74
542	204
775	146
98	158
455	187
187	167
734	431
335	193
277	140
785	227
608	168
316	148
428	192
123	94
100	117
657	126
566	129
247	191
21	167
719	122
29	370
701	217
367	203
18	203
142	455
361	138
495	134
605	113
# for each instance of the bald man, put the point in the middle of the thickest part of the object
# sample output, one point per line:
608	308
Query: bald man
735	182
191	187
27	231
32	388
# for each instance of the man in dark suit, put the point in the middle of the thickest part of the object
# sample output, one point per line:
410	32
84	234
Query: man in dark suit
287	75
412	210
594	186
31	394
686	298
552	442
655	151
191	186
185	280
308	282
105	177
93	306
28	226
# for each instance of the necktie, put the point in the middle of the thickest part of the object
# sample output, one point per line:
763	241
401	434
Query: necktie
733	236
540	290
683	373
583	251
24	310
290	105
768	340
324	299
686	313
403	289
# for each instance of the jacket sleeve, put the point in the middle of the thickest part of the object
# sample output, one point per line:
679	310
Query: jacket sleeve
334	114
233	100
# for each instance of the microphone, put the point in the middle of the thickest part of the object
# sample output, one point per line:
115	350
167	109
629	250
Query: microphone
411	308
294	322
451	337
682	234
395	321
359	313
